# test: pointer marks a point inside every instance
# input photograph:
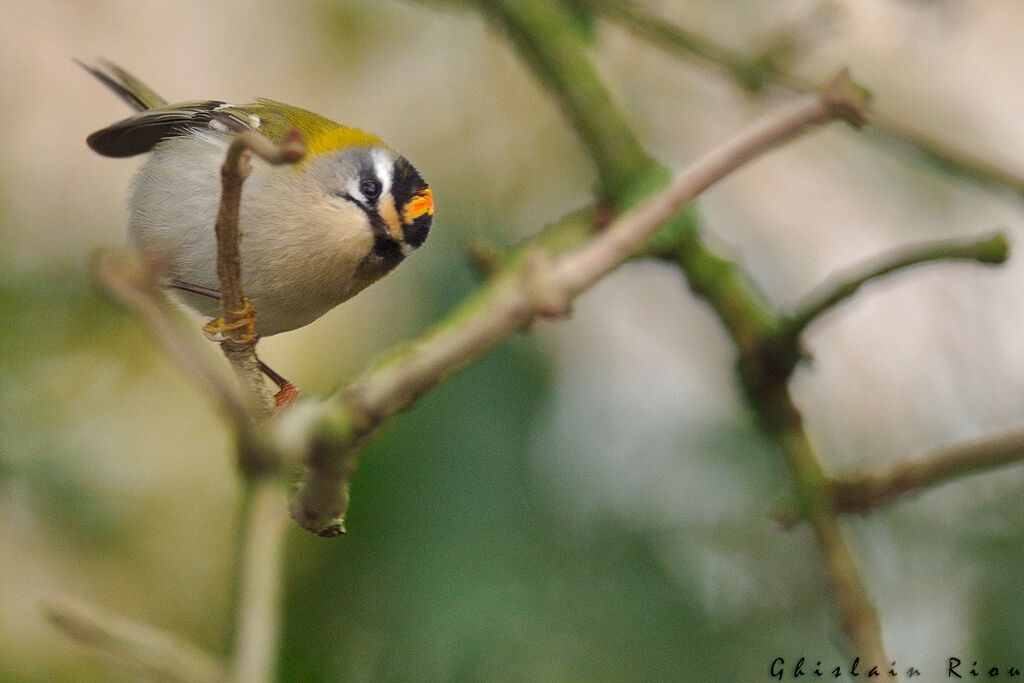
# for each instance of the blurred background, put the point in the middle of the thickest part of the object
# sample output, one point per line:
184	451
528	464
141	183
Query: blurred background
590	501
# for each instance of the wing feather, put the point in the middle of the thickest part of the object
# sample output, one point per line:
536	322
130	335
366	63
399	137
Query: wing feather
140	133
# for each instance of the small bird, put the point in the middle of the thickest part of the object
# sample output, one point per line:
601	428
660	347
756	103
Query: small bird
314	234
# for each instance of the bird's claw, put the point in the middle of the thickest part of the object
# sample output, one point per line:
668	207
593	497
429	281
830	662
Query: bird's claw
242	330
285	396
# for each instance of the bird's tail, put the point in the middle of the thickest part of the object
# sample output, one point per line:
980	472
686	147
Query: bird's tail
126	86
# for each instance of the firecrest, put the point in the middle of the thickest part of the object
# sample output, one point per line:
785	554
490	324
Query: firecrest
314	233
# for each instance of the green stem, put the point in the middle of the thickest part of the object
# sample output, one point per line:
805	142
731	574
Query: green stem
856	609
990	250
547	36
739	304
751	73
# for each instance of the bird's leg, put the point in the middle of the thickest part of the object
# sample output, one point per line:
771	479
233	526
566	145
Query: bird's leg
215	329
195	289
286	391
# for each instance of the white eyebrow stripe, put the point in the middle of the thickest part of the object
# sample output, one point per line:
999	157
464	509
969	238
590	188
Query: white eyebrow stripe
355	192
382	166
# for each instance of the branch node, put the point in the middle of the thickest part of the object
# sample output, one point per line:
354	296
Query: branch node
846	99
546	295
484	259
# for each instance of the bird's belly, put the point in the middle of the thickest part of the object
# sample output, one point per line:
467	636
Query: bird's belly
295	266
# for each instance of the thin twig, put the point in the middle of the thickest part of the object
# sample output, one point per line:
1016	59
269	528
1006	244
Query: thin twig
895	135
533	287
147	651
863	494
134	284
750	72
991	250
237	331
841	99
257	622
753	73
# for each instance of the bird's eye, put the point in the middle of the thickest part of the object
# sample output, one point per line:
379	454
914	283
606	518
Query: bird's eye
370	188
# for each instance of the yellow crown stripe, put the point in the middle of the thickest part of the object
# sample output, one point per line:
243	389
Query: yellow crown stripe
327	140
322	135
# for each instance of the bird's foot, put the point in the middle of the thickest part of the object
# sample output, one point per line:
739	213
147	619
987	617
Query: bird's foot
242	330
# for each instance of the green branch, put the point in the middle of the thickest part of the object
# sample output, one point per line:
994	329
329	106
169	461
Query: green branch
538	281
752	324
549	38
991	250
751	72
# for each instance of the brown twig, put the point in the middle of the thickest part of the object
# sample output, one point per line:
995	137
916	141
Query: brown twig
260	553
863	494
237	331
147	651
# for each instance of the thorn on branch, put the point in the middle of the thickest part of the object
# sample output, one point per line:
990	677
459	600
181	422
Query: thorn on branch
846	99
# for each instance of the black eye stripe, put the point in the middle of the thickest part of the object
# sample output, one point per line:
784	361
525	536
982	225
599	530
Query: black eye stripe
341	194
383	244
408	192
